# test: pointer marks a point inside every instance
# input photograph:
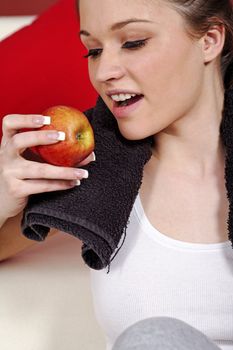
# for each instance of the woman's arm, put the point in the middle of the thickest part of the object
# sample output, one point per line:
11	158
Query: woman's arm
12	241
20	177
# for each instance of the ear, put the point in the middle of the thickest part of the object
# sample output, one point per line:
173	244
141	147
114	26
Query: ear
213	42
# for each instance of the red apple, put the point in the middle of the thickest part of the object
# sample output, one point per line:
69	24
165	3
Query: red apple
79	142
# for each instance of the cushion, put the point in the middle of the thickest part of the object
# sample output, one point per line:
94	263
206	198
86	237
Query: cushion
42	65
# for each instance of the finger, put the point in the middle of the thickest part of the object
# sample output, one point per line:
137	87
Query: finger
25	170
21	141
29	187
90	158
12	123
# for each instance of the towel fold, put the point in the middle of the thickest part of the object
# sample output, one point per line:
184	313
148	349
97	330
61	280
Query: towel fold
96	212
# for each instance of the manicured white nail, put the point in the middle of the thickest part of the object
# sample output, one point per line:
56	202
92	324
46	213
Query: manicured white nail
47	120
41	120
78	182
81	173
61	136
94	157
86	174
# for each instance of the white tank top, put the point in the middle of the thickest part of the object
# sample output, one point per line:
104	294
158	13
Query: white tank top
155	275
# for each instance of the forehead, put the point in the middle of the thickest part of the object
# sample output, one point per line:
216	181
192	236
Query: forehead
108	12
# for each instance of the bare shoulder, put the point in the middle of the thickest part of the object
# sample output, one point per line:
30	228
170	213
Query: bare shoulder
12	241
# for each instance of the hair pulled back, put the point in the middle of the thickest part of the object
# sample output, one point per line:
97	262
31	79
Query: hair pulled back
200	16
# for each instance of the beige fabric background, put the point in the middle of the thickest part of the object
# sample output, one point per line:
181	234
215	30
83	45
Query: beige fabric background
45	299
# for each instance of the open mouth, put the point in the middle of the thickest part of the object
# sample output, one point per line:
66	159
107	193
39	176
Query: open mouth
129	101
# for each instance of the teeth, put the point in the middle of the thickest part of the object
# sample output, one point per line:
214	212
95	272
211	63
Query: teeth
122	97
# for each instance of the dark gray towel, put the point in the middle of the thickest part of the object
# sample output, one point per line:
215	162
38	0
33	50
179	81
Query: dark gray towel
96	212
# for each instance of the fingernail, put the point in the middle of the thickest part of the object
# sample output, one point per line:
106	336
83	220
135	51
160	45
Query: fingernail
75	183
81	172
59	135
47	120
94	156
42	120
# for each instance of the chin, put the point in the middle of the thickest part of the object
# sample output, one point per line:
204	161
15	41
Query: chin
132	135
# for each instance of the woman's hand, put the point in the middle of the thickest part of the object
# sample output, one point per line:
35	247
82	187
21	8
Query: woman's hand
20	177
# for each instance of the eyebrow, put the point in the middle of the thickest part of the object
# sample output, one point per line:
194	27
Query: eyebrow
119	25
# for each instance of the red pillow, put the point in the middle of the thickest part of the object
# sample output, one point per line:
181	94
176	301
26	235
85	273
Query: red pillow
42	65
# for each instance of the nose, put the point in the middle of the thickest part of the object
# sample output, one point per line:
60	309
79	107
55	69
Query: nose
109	67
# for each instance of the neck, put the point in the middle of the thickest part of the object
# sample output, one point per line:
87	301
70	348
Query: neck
193	143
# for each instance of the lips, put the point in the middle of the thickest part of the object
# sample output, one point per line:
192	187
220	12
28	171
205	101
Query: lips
124	111
128	102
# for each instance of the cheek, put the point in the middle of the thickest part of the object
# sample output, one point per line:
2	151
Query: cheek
91	73
172	74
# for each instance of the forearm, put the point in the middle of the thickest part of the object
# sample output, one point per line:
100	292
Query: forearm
12	241
2	221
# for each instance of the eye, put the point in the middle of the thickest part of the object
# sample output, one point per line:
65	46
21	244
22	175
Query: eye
94	53
135	44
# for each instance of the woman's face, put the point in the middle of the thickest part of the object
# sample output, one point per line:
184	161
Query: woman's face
141	47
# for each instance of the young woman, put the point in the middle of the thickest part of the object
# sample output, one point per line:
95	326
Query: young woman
168	58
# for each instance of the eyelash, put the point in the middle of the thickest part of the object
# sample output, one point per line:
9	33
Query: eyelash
94	53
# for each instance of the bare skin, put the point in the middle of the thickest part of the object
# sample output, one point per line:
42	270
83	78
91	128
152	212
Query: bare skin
184	207
183	191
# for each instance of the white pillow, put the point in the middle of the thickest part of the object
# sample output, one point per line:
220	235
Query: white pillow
10	24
